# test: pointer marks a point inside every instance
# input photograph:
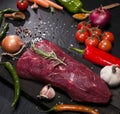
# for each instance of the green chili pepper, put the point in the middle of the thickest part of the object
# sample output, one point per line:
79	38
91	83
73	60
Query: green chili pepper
73	6
8	10
4	30
1	17
16	80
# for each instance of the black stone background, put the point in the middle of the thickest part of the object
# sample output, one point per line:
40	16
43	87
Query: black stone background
60	28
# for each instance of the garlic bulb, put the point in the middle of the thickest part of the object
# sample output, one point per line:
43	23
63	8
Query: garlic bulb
111	75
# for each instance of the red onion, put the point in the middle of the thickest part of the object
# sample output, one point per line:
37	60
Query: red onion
99	17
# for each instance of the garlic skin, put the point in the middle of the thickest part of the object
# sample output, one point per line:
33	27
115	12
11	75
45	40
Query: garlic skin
34	6
47	92
111	75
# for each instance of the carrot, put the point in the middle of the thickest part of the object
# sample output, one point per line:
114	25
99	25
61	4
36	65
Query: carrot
70	107
42	3
53	4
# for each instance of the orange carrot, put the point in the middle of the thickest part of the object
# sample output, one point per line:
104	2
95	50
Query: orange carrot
53	4
42	3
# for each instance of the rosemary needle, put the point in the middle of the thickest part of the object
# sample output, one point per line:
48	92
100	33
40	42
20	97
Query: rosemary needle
51	55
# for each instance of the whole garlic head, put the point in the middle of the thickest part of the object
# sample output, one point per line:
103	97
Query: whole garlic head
111	75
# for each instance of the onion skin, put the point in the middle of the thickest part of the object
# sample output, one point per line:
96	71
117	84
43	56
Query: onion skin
100	17
11	44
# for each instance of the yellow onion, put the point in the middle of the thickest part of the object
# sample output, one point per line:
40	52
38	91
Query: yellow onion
12	44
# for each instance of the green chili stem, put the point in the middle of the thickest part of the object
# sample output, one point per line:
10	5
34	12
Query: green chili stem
85	11
15	78
78	50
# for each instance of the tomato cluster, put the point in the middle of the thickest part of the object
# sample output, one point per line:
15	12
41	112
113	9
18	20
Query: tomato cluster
94	36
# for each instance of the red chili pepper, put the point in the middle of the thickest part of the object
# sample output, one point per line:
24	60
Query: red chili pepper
98	56
74	108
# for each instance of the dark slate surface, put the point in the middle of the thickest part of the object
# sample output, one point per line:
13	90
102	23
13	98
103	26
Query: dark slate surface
60	28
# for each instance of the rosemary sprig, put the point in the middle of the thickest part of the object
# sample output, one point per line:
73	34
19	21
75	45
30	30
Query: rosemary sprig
51	55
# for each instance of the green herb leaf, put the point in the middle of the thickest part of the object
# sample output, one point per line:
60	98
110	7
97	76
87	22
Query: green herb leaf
51	55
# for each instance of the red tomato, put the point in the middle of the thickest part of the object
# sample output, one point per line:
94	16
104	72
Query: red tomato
92	41
83	24
95	32
22	5
105	45
108	36
81	35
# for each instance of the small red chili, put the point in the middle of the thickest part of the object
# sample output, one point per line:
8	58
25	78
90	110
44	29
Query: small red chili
98	56
73	108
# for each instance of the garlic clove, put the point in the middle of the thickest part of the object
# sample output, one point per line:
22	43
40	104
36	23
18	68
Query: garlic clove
47	92
34	6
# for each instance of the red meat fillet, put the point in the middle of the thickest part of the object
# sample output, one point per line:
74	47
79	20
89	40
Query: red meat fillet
76	79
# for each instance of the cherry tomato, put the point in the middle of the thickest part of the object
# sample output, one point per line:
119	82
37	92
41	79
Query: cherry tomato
95	32
105	45
81	35
22	5
108	36
92	41
83	24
